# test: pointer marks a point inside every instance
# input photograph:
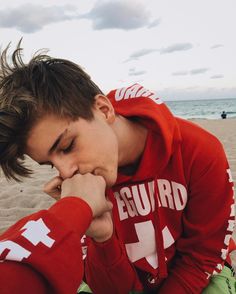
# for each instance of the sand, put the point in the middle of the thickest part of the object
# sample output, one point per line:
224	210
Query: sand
20	199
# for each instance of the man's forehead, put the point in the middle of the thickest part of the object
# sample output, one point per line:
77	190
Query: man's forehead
44	134
49	125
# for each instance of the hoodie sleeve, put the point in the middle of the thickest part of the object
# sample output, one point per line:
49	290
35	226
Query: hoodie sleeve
208	219
108	270
42	253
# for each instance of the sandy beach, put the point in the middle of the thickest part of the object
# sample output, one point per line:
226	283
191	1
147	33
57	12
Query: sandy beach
20	199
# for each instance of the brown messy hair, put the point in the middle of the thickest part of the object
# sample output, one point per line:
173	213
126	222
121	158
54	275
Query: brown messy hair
45	85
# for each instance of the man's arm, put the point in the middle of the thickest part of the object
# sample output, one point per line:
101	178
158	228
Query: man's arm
43	251
107	263
108	269
208	218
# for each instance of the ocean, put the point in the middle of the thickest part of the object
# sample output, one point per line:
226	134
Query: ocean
203	109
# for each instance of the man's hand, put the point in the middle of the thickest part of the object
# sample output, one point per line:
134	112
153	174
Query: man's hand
91	189
101	228
53	187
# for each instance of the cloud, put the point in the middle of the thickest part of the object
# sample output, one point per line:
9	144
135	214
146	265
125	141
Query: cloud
217	46
217	76
133	72
142	52
137	54
30	18
125	15
180	73
154	23
197	71
192	72
176	47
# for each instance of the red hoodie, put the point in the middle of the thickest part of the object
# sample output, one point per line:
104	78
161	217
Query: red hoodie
41	254
174	216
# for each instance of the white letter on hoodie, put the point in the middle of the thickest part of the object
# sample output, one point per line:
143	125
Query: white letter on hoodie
16	253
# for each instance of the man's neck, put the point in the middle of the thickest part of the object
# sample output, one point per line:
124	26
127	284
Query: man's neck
131	139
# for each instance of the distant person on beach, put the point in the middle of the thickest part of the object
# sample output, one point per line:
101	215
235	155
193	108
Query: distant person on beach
223	115
173	208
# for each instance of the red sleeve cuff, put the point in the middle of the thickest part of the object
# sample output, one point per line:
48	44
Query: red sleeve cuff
74	213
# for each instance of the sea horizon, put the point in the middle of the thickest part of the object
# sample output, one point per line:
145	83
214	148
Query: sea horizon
203	108
200	99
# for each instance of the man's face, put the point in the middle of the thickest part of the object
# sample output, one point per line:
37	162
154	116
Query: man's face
79	146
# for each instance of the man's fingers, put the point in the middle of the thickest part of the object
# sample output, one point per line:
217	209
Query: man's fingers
109	205
53	187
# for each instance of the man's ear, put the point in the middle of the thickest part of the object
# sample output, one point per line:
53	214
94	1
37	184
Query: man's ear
103	104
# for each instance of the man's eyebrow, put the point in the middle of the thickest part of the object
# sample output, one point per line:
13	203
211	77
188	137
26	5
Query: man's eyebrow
54	146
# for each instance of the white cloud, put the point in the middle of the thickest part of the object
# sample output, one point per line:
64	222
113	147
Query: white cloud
170	49
176	47
154	23
142	52
125	15
217	46
190	72
197	71
137	73
180	73
29	18
217	76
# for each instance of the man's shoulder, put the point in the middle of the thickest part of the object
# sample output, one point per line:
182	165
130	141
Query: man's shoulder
193	133
198	144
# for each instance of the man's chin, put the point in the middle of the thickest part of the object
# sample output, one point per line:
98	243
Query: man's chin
110	181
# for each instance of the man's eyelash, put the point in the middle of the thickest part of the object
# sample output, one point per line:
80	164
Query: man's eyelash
69	148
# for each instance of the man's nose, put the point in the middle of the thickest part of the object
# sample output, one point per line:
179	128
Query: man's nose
66	169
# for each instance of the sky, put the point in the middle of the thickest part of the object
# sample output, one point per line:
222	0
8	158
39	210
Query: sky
182	49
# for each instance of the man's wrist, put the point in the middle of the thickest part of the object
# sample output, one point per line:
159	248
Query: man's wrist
103	238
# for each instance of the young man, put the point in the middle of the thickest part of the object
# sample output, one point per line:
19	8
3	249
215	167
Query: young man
41	253
168	179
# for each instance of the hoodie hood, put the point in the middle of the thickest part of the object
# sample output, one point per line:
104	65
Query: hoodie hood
149	110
